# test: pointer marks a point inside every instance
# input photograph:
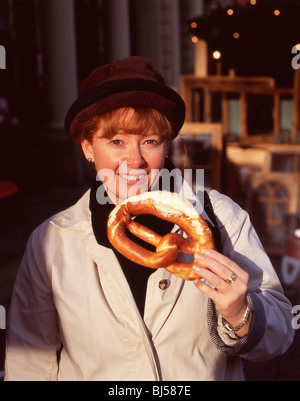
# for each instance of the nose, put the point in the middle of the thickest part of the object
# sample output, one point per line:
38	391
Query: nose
135	157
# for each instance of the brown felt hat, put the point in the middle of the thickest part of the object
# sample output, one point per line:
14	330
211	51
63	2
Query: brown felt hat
130	82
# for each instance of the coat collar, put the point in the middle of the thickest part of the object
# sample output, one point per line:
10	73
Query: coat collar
76	217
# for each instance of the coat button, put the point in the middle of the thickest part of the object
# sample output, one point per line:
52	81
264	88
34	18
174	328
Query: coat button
163	284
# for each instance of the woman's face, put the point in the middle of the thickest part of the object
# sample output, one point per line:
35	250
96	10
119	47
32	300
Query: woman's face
127	164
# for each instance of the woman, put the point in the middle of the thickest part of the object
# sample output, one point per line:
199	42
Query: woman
82	311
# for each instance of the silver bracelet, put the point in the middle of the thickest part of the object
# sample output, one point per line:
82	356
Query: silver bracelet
229	338
242	324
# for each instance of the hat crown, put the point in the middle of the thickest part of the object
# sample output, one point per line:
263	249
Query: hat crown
130	82
127	68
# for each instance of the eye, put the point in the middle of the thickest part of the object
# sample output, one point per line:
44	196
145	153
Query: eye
116	141
152	141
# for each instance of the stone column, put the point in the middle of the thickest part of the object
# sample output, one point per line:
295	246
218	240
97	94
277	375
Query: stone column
60	62
63	167
168	27
192	55
118	29
158	36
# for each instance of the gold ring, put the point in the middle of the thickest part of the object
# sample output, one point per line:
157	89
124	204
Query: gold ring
232	278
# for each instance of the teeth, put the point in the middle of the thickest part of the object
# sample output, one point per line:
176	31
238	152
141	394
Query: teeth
133	177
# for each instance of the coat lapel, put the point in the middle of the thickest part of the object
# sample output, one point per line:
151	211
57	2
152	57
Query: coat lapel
118	294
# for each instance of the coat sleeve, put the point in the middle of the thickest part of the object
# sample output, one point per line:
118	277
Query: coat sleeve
270	331
32	332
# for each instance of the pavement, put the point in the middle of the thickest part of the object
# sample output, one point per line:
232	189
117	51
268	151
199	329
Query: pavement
41	197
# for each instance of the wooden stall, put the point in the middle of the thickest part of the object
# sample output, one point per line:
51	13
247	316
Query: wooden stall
198	93
262	171
200	146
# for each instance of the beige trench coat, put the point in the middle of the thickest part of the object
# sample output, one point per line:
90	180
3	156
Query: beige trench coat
71	293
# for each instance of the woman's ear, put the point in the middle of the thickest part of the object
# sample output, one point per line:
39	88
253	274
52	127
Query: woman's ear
87	149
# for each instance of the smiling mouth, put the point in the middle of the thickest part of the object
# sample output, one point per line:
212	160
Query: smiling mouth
132	178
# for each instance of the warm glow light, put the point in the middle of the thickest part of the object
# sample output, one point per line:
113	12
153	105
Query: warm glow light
230	11
236	35
216	55
193	25
253	2
298	46
276	12
195	39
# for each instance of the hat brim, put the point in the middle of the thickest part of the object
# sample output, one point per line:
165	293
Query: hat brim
132	92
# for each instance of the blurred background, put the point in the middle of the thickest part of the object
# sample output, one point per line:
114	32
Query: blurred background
236	63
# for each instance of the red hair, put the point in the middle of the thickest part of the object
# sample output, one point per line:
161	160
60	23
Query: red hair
129	120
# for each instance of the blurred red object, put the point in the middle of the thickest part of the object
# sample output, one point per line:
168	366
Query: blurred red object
7	188
293	245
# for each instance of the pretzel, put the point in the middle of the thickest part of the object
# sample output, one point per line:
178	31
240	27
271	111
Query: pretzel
167	206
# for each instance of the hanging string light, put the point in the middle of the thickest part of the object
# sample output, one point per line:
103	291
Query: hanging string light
268	27
217	55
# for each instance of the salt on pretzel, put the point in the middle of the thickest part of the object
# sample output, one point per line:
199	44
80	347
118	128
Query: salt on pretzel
167	206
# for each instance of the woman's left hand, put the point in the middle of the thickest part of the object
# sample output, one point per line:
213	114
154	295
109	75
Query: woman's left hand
228	286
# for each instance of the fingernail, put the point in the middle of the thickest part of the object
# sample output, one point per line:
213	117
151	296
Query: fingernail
196	268
206	251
